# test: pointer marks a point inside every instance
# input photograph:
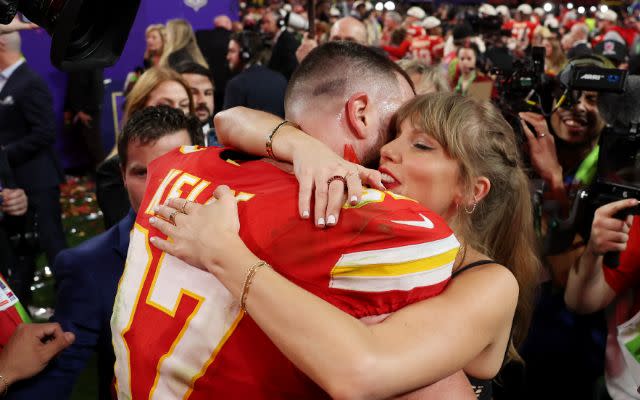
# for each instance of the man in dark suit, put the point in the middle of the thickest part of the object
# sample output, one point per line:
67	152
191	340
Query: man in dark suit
88	275
27	134
283	52
255	86
214	44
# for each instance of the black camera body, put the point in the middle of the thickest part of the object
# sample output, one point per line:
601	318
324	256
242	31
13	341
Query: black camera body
86	34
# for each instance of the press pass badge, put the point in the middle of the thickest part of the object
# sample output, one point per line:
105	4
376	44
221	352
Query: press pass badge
7	298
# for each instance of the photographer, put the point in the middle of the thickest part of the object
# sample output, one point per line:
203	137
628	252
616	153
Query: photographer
592	286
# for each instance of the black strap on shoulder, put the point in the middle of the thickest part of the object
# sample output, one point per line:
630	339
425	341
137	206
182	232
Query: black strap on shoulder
472	265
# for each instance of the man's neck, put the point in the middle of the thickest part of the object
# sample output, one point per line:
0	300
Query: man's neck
7	60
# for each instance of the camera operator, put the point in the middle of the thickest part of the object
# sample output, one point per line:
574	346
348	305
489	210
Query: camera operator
592	286
284	44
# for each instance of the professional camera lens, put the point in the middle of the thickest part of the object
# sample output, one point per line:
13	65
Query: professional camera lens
42	12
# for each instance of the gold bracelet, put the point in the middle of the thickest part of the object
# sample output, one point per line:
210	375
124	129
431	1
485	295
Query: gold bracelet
6	385
269	144
248	281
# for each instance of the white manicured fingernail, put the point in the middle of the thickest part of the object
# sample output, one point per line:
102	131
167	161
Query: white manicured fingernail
156	209
331	220
354	199
152	239
305	214
320	221
152	220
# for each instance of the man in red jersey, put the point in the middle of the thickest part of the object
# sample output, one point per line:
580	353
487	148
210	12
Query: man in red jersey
178	333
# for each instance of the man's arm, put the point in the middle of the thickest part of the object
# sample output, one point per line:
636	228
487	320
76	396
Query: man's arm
587	289
37	108
77	311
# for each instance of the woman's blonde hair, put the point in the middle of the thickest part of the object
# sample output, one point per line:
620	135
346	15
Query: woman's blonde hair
181	36
430	77
556	62
156	27
147	83
501	225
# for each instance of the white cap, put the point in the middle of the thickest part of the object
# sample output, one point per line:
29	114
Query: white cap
539	11
551	22
608	15
525	9
487	10
430	22
357	4
416	12
334	12
504	10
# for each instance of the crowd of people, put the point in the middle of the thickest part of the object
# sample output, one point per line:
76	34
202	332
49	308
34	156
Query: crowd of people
377	210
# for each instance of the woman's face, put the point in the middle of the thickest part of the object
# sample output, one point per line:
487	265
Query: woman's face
169	93
580	123
415	165
467	60
154	41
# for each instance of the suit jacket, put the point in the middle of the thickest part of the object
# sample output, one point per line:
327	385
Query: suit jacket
85	91
87	277
27	130
283	56
214	44
259	88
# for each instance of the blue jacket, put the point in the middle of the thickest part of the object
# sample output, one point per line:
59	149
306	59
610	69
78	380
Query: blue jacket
87	278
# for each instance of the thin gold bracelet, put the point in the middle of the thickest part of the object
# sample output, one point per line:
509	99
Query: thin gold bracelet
248	281
6	385
269	144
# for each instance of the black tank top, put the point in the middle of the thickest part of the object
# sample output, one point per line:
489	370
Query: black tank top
481	387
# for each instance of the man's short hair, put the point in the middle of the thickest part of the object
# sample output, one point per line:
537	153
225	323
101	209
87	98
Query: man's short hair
251	45
190	67
336	68
152	123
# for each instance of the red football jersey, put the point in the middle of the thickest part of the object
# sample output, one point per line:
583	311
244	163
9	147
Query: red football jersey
11	312
179	334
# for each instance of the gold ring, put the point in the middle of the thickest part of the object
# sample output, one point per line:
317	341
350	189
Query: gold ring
183	209
172	216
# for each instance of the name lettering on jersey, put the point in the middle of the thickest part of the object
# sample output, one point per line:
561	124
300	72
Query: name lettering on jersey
191	149
182	181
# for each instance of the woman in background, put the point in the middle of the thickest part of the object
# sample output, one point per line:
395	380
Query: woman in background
181	45
426	79
155	38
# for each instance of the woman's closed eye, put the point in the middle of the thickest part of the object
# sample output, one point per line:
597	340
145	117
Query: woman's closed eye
422	146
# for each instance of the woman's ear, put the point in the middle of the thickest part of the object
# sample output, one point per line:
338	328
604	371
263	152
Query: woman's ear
357	109
481	188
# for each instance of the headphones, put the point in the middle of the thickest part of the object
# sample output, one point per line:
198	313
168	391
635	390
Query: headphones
245	47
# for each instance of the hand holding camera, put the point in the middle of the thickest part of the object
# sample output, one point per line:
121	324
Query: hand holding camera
608	232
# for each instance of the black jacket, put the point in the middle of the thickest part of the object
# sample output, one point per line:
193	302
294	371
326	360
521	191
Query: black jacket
27	130
259	88
214	44
283	56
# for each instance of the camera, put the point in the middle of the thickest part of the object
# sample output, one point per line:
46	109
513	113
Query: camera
86	34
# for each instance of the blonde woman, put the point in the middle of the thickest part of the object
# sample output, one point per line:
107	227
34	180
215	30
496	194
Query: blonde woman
158	86
555	60
426	79
155	39
455	156
181	45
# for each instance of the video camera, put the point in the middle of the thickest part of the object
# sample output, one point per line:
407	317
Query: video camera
86	34
618	167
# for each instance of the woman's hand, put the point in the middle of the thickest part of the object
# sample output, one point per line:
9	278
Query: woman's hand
202	234
542	148
326	176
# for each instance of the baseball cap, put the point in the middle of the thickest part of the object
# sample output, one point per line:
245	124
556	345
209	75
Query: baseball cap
504	10
612	49
525	9
487	10
416	12
430	22
608	15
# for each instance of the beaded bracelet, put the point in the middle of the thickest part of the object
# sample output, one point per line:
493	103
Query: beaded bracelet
269	144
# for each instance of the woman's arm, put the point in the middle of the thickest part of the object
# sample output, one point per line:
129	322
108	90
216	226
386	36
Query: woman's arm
314	163
414	347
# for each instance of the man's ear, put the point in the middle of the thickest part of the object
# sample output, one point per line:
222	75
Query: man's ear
357	109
